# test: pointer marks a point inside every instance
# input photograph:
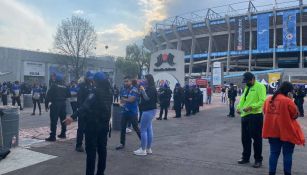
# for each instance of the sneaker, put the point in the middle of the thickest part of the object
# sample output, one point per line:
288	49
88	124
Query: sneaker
128	130
79	149
62	136
140	152
149	151
119	147
50	139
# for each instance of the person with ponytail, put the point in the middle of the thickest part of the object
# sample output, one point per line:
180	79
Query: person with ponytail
281	127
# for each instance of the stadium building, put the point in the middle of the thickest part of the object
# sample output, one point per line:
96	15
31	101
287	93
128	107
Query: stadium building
242	36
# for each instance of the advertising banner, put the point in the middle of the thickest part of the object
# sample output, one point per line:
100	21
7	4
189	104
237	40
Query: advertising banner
274	82
217	74
263	34
34	68
289	29
239	33
167	66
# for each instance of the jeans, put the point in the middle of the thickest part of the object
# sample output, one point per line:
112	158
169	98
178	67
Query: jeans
275	148
231	107
209	99
124	122
38	104
252	130
146	128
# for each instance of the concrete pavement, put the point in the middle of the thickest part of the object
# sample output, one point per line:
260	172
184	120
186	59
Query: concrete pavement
207	143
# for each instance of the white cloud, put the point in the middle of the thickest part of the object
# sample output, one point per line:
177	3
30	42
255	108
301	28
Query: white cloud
154	10
78	12
21	27
117	38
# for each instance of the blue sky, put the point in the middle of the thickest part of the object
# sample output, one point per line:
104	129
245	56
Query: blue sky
31	24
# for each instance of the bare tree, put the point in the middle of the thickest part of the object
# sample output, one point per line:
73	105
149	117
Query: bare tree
139	56
76	37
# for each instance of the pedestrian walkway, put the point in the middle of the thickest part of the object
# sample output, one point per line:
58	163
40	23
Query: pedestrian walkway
208	143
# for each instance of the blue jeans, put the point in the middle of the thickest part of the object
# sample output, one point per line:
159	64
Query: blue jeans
146	128
275	148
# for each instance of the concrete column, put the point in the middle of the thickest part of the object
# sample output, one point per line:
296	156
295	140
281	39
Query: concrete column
191	57
209	56
250	42
274	39
301	35
228	47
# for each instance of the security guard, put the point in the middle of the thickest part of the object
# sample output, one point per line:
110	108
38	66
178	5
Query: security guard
86	88
188	100
97	112
178	99
57	95
250	109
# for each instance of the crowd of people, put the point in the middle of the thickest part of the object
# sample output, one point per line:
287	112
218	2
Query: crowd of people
273	118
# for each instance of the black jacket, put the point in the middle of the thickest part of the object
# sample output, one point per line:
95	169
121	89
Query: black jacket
84	90
149	99
57	93
232	93
165	95
96	108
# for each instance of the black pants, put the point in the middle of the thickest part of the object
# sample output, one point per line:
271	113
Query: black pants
74	106
165	109
16	99
115	98
80	131
4	100
124	121
195	106
177	108
251	126
96	139
57	110
188	107
300	107
231	107
38	104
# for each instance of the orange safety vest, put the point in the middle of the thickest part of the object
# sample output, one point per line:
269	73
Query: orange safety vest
280	122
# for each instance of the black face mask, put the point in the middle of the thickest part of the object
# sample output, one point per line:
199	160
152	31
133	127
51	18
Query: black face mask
249	84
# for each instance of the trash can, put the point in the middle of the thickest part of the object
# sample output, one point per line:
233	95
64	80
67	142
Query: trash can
10	126
27	101
116	117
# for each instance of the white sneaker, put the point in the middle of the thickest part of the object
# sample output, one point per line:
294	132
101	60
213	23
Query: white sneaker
140	152
149	151
128	130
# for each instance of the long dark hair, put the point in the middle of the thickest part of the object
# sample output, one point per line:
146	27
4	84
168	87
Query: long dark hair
150	80
284	89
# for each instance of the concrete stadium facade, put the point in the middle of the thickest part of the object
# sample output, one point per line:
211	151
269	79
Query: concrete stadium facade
208	36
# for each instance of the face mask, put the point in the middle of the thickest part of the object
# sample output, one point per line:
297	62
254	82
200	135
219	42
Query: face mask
249	84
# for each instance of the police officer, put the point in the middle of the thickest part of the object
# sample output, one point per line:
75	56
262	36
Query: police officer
188	100
16	91
178	96
196	97
57	95
232	94
96	111
85	88
165	95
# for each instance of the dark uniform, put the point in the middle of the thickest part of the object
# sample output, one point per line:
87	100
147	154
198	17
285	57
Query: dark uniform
178	100
86	88
57	95
188	100
97	112
232	94
165	95
196	98
299	96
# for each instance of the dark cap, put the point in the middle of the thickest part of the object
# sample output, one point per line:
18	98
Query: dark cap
247	76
